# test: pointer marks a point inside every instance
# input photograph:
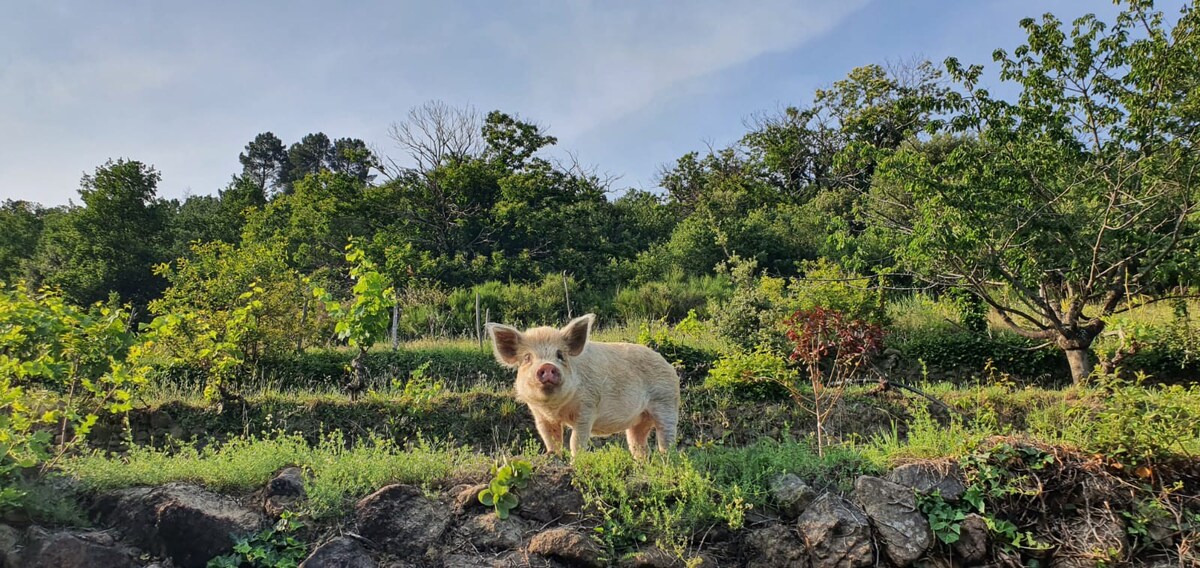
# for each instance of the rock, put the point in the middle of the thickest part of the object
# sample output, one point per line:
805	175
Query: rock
10	541
489	532
837	534
185	522
550	497
927	477
903	530
400	520
341	552
466	498
774	545
565	544
974	540
284	491
45	549
791	494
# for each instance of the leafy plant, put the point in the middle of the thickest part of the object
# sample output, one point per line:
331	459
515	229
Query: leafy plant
61	366
365	320
832	349
945	519
274	547
500	494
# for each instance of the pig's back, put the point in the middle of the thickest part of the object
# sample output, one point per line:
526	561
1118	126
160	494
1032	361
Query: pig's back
628	369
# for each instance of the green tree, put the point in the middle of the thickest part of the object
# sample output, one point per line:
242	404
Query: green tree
22	222
1078	199
365	319
265	164
112	242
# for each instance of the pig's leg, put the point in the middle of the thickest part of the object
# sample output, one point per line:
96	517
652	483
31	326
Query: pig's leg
666	417
581	433
638	434
551	432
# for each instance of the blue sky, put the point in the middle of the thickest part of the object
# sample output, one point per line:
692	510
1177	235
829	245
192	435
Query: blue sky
626	85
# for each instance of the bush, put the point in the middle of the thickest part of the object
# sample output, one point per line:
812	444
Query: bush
753	375
959	356
459	367
693	363
672	299
755	313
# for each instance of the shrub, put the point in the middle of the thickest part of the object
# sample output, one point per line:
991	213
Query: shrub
960	356
754	375
671	299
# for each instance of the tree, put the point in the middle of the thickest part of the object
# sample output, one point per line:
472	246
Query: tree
310	155
265	164
365	320
1076	201
112	242
352	157
22	222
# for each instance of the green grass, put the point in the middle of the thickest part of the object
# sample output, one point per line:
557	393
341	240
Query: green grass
338	472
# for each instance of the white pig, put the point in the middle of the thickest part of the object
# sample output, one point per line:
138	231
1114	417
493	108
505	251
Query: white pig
596	388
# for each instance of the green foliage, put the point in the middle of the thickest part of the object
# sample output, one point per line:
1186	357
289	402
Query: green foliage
756	374
214	343
211	280
111	243
692	362
671	300
662	500
274	547
366	319
751	467
1021	207
959	355
60	368
760	304
340	470
945	520
507	480
1138	425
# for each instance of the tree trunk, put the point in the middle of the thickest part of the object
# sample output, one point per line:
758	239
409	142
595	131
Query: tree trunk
1081	363
395	331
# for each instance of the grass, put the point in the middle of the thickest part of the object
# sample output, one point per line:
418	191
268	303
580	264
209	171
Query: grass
338	472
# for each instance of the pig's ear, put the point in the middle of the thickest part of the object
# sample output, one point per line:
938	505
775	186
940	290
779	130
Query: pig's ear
505	341
576	333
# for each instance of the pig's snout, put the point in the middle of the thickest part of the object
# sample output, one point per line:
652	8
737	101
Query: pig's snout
549	375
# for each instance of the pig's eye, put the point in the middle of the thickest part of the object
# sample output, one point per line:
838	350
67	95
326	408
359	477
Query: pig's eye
560	355
528	358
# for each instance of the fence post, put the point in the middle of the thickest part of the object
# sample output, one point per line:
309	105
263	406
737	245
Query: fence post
478	328
567	294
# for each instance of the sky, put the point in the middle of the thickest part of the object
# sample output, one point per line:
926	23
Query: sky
627	86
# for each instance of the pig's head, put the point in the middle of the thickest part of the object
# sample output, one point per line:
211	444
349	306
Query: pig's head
543	357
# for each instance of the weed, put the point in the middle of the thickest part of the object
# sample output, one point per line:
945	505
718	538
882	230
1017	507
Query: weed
274	547
506	480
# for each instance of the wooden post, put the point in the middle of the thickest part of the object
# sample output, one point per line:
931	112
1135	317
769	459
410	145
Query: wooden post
478	324
396	325
566	294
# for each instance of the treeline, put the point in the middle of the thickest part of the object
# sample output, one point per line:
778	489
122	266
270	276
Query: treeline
479	209
1055	210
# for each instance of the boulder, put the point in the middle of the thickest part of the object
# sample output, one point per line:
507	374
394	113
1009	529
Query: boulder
400	520
791	495
550	497
774	545
565	544
184	522
904	531
974	540
64	549
491	533
10	545
926	477
284	491
836	533
341	552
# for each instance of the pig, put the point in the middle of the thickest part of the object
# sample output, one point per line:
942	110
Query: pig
596	388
